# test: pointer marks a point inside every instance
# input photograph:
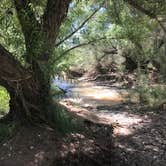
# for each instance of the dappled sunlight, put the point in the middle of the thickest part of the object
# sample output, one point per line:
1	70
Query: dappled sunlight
135	128
39	157
128	123
122	131
74	100
80	112
126	148
86	98
82	81
123	118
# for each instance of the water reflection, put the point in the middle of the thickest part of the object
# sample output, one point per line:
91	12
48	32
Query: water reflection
67	87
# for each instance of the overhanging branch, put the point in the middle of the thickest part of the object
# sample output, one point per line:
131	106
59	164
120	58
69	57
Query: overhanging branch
83	44
79	27
147	12
77	46
161	25
137	6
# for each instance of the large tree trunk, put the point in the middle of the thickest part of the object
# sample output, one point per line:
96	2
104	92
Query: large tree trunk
28	95
29	88
27	104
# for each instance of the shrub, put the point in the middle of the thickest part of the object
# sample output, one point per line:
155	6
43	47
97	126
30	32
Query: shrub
152	95
7	130
4	101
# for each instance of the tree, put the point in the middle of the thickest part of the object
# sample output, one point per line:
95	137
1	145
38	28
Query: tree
29	86
37	27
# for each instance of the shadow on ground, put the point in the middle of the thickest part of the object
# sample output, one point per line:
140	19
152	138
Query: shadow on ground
142	142
38	146
140	136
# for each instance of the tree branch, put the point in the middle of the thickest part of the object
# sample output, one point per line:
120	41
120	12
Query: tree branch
79	27
27	20
134	4
82	44
147	12
161	25
11	70
77	46
55	12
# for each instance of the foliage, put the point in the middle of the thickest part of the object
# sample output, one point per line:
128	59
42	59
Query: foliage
4	101
10	30
131	29
7	130
60	119
55	91
152	95
58	116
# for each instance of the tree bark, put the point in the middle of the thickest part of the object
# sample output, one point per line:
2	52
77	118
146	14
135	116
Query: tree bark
29	88
26	96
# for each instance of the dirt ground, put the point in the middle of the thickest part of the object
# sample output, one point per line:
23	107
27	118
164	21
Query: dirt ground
140	133
41	146
138	139
141	140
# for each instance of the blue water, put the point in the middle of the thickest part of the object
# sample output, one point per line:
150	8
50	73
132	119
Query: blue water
64	85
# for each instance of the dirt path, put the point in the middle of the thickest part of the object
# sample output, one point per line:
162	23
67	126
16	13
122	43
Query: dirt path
40	146
140	136
142	142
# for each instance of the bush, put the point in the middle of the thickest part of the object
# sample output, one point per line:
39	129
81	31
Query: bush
7	130
59	118
56	92
4	101
152	95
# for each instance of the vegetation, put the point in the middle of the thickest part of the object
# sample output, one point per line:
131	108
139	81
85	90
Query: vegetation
4	101
117	43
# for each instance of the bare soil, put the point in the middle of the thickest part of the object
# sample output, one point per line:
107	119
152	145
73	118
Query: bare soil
139	131
138	139
42	146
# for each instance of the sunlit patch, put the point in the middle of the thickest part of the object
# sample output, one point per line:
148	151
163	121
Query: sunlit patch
38	158
92	97
130	122
75	100
99	93
126	148
123	118
122	131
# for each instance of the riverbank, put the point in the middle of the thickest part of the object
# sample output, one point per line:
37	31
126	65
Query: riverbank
139	131
114	132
